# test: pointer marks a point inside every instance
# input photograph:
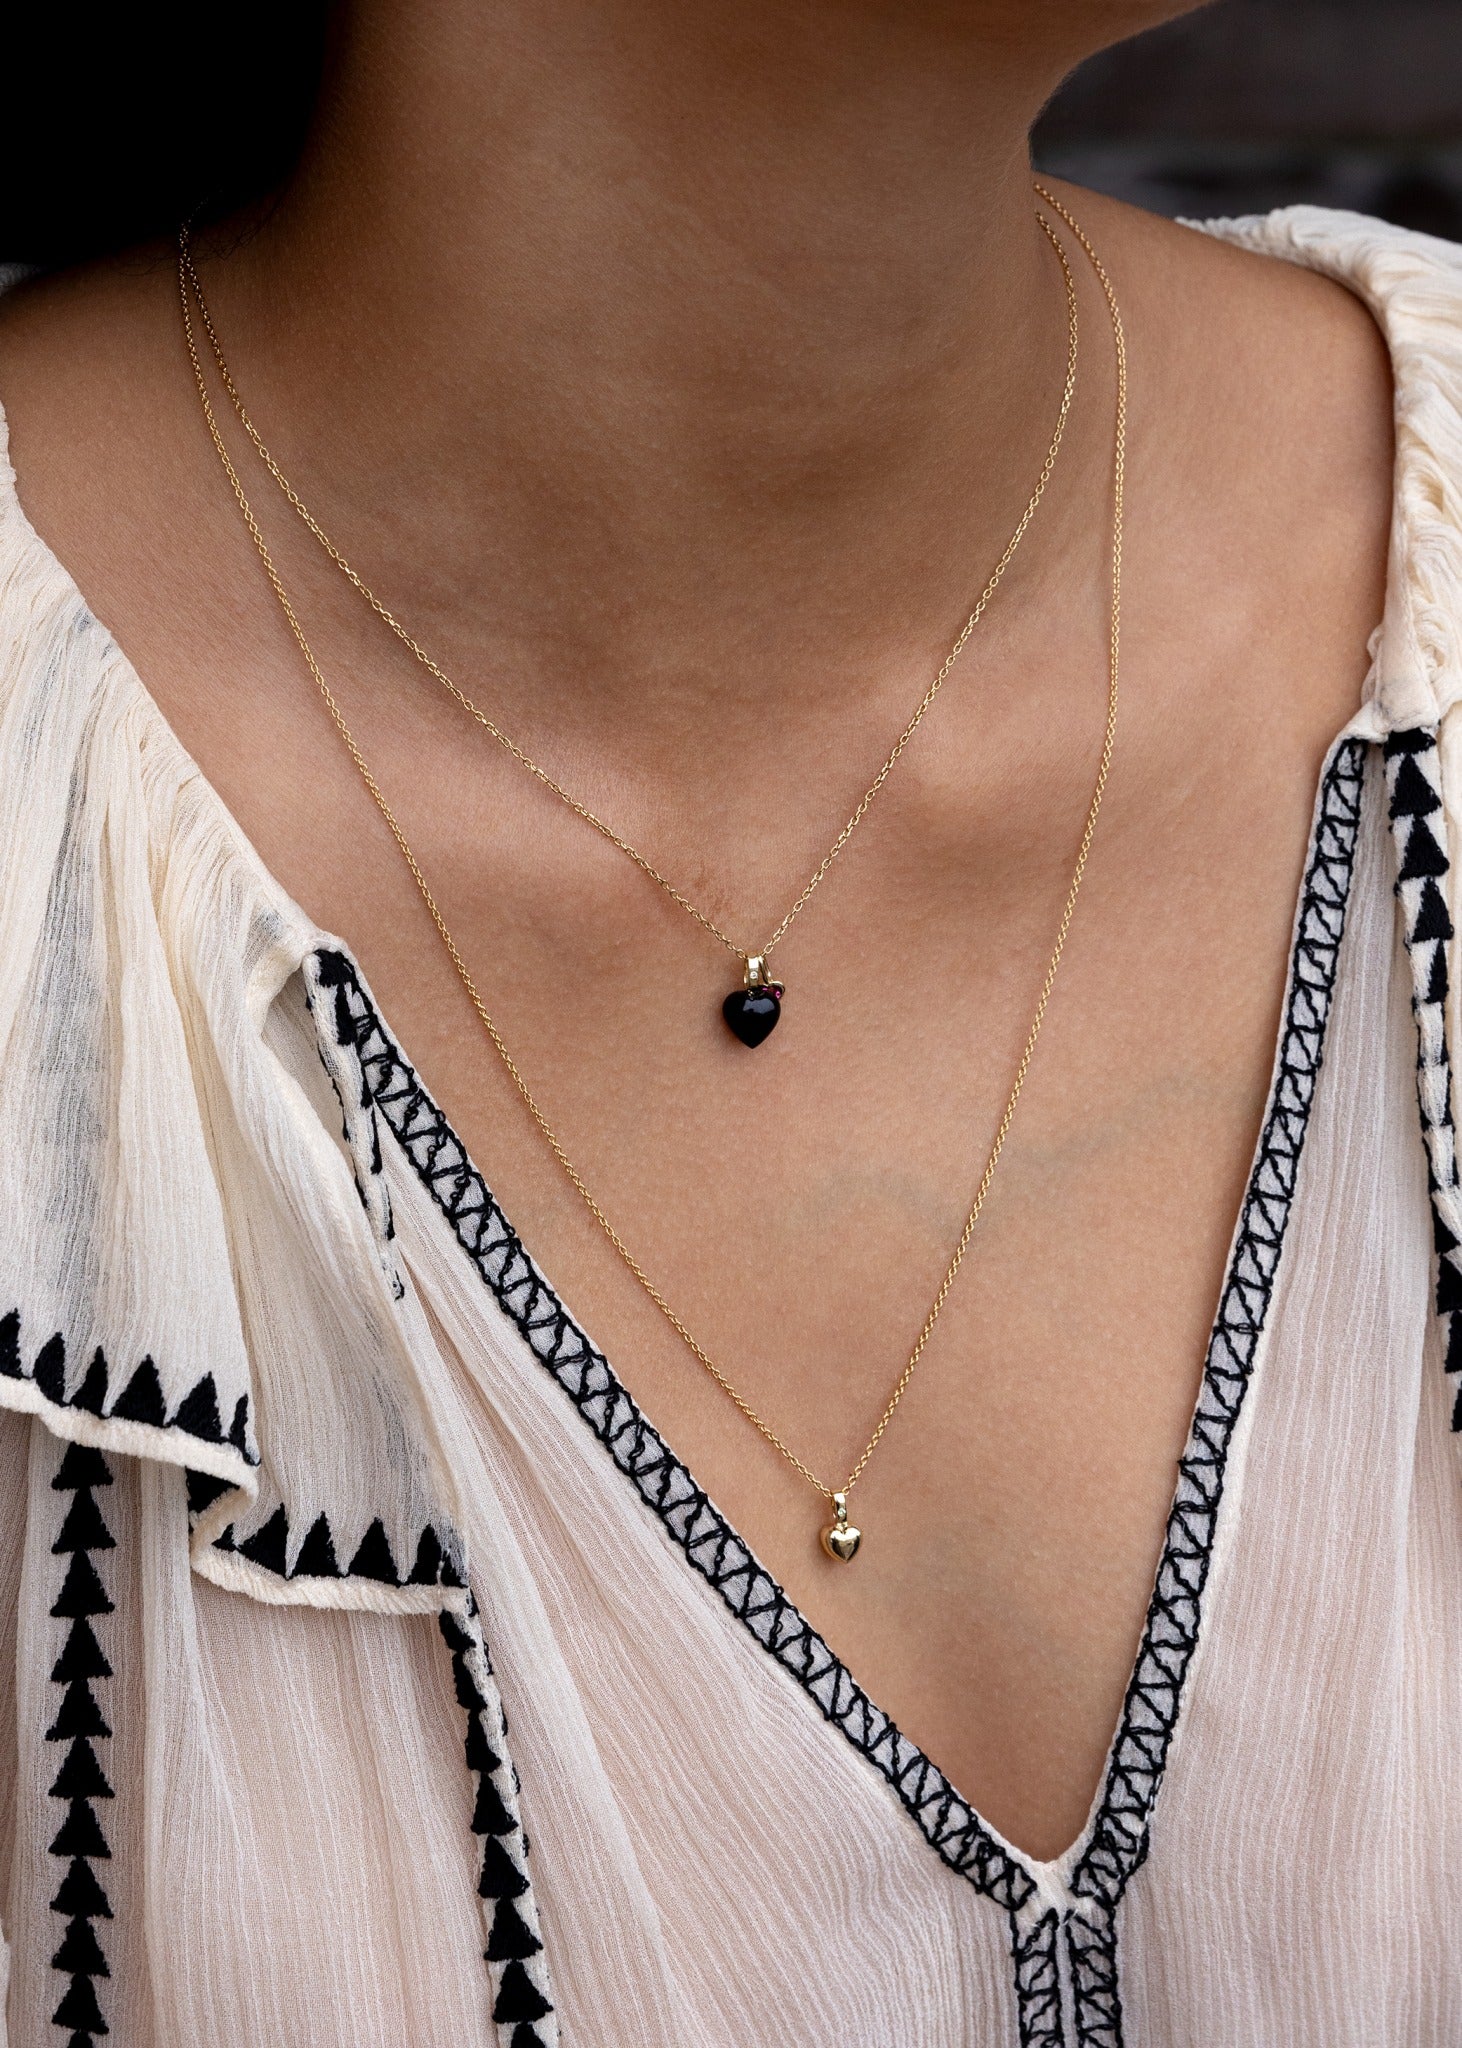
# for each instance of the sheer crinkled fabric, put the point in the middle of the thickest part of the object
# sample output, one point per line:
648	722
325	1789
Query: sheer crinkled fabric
325	1724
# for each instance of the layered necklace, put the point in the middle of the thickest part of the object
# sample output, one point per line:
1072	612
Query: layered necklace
751	1011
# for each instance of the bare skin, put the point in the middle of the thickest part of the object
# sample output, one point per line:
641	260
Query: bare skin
678	373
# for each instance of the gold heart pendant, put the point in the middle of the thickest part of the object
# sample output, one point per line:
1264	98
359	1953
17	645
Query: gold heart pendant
840	1539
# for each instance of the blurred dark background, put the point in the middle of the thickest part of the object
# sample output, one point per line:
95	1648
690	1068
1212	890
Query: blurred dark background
1260	103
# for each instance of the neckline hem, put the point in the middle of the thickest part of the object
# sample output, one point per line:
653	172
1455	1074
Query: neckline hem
1087	1879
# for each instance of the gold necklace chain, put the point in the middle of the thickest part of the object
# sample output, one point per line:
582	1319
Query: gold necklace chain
840	1539
753	961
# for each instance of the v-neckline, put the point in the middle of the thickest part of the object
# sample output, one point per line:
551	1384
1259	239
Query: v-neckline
1092	1872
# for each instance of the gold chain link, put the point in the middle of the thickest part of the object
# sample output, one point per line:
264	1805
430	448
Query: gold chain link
192	285
187	286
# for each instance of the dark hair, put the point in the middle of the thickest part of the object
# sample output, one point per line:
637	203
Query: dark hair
120	121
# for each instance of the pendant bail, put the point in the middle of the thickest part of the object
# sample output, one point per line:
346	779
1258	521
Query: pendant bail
755	975
841	1539
753	1009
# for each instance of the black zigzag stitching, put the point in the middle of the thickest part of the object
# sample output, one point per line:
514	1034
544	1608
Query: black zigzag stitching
1038	1981
391	1089
522	2008
140	1399
1413	786
1119	1839
80	1724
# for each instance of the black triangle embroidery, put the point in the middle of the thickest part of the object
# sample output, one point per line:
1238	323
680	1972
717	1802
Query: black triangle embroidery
481	1756
1423	855
92	1393
316	1559
198	1412
80	1894
1449	1287
518	1998
141	1399
374	1559
81	1466
82	1592
80	1953
1432	918
511	1937
10	1345
1412	796
1413	739
526	2037
457	1638
203	1490
500	1877
468	1697
80	1833
428	1566
238	1434
490	1816
83	1528
79	1715
81	1656
1436	988
81	1776
268	1547
50	1372
79	2009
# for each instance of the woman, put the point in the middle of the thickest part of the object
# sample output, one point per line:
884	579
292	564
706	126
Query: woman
675	378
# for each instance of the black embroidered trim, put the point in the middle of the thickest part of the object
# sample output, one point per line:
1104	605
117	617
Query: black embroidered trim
522	2007
391	1090
139	1400
1413	785
1119	1840
1034	1953
436	1561
1097	1999
80	1724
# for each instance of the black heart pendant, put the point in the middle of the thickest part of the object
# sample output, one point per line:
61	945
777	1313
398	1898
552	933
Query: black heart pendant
754	1013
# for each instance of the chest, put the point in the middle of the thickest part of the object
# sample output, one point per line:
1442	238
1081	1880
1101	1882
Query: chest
1316	1481
797	1206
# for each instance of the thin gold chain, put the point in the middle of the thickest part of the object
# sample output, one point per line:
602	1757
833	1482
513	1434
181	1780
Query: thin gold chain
191	283
514	1072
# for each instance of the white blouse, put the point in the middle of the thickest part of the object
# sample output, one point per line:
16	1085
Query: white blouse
336	1565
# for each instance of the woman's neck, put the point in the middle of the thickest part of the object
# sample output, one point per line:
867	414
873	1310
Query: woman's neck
667	347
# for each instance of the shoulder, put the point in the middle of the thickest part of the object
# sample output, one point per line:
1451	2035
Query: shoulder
1307	273
1284	318
61	370
1309	365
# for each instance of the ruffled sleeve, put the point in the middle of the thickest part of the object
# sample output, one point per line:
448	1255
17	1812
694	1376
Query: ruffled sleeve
202	1322
188	1272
